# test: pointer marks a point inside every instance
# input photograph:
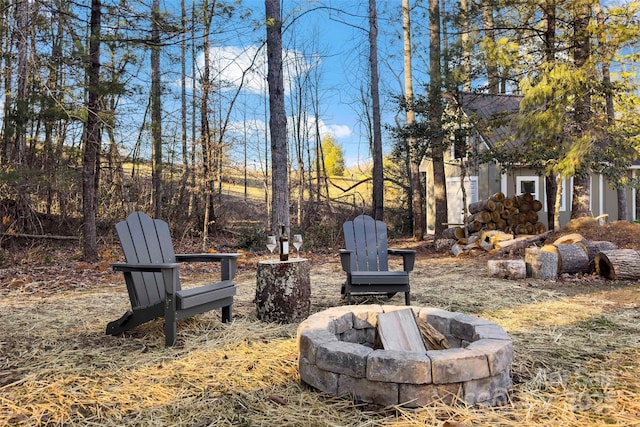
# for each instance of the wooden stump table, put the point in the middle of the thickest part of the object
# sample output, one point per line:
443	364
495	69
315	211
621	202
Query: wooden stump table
283	290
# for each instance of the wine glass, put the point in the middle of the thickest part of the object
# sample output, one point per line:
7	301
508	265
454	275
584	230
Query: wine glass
297	242
271	243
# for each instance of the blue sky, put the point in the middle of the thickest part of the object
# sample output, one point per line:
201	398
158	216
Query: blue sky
331	43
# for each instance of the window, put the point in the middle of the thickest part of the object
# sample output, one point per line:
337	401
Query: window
528	184
459	145
531	184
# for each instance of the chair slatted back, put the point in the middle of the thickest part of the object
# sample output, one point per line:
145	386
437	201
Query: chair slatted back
367	238
145	241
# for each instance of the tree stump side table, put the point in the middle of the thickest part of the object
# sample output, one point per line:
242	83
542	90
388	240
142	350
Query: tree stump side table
283	290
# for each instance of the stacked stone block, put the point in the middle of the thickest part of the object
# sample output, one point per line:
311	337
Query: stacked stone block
337	356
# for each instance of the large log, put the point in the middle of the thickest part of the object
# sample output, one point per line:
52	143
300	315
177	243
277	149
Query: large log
572	258
524	206
536	205
482	216
453	233
457	249
540	228
541	264
501	245
474	226
493	236
521	229
618	264
569	238
507	268
283	290
498	197
482	205
594	247
521	243
508	203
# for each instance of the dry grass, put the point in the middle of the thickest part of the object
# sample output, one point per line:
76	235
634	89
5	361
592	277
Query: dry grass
576	343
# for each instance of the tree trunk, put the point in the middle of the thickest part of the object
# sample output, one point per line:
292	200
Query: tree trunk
489	31
205	129
580	206
417	203
92	137
277	118
435	117
156	110
466	46
186	170
21	106
376	150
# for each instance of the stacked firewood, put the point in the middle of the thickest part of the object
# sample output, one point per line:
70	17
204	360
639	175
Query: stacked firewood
516	215
497	222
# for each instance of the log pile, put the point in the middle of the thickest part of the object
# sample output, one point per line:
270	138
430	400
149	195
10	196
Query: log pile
496	223
515	215
572	253
577	254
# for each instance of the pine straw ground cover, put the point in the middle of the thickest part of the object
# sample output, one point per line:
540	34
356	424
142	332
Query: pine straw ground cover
576	341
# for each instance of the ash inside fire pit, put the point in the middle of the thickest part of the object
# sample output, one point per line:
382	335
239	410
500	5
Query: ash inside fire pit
337	356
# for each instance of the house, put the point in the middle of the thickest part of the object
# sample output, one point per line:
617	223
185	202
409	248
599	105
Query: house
487	116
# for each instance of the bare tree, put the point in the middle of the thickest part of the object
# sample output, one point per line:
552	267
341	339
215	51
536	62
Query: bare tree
419	218
92	136
205	131
376	147
186	168
435	117
277	117
21	106
156	110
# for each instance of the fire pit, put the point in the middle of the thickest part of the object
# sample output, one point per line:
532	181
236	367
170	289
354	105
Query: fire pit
337	356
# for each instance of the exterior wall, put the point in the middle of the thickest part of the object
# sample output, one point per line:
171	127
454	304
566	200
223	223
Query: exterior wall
514	181
486	180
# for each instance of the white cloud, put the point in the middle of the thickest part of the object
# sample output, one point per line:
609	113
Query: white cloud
258	127
232	66
339	131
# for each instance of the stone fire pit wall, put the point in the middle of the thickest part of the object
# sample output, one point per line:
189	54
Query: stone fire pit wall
336	356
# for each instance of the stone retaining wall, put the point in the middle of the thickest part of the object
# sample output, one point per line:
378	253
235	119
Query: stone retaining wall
336	356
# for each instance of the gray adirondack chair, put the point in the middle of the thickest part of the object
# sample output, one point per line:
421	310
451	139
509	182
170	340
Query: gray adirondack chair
151	275
366	260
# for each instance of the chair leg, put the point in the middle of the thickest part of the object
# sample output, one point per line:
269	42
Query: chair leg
226	314
407	298
170	324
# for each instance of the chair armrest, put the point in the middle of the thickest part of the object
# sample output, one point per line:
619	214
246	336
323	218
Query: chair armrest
345	259
143	268
169	273
228	262
408	257
206	257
